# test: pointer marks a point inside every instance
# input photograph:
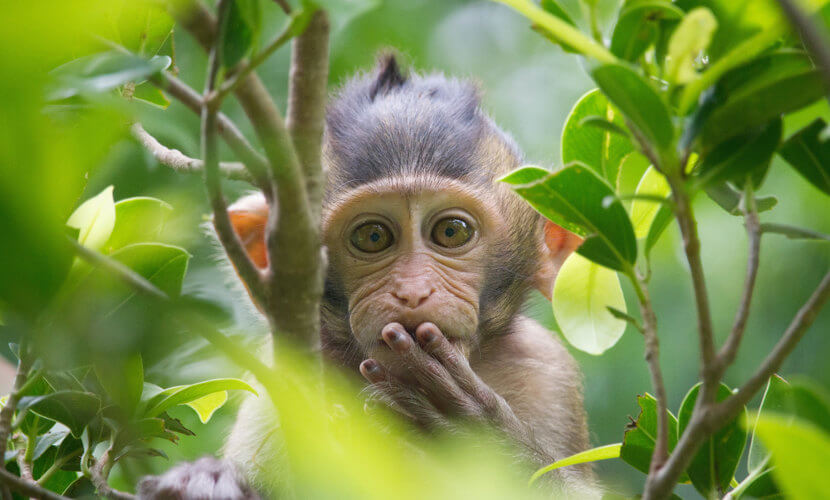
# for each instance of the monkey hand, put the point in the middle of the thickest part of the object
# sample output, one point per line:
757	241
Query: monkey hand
445	389
204	479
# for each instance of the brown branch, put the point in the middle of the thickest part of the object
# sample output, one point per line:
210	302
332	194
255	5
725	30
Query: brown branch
753	230
98	475
26	488
284	6
307	102
180	162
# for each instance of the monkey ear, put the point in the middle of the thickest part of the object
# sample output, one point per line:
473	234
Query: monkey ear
558	244
389	76
248	218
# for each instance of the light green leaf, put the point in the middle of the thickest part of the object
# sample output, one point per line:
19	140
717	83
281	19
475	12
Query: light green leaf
690	38
137	220
573	198
94	219
800	452
553	8
103	72
239	31
150	94
773	400
643	212
582	292
638	26
592	455
162	265
343	12
184	394
638	101
207	405
599	149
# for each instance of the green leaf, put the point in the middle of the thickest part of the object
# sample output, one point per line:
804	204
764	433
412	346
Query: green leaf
342	13
94	219
573	198
206	406
809	155
809	402
599	149
175	425
714	465
162	265
643	212
123	381
638	26
587	456
184	394
81	488
792	232
553	8
582	292
800	451
150	94
638	101
742	157
141	27
773	400
103	72
641	435
239	31
730	200
44	442
137	220
690	38
73	409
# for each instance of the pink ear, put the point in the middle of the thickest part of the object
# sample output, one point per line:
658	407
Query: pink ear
558	245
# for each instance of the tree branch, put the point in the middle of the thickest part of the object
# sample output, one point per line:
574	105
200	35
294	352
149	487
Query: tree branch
753	230
6	414
98	475
31	490
180	162
306	113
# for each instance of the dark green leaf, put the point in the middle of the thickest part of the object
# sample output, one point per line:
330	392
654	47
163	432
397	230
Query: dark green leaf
82	489
572	198
638	101
103	72
35	425
763	486
123	381
638	26
73	409
641	435
809	155
602	123
599	149
742	157
713	467
239	31
730	200
658	225
809	402
162	265
175	425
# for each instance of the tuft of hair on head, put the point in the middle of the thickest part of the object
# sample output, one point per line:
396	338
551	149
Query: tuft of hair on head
389	76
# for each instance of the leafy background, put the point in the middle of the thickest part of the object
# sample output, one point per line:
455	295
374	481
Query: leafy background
529	87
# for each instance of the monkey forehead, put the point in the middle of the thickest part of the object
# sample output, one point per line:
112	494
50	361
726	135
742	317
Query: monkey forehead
411	187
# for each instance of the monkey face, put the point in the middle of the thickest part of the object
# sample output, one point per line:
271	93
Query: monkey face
410	251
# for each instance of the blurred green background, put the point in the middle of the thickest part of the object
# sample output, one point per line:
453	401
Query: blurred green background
529	86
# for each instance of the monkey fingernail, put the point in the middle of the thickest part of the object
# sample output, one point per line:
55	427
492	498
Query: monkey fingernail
397	340
426	333
371	370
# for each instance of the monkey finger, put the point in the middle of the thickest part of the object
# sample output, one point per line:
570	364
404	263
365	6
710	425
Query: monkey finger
408	402
373	371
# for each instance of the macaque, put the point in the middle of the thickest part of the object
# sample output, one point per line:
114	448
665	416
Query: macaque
430	261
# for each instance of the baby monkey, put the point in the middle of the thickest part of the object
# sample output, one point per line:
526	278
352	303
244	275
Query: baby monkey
430	261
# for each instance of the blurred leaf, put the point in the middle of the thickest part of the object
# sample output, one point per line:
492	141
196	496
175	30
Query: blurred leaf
123	381
643	212
730	200
206	406
184	394
742	157
137	220
587	456
638	25
800	452
82	488
773	400
35	425
714	465
46	441
763	486
573	198
638	101
341	13
175	425
73	409
582	292
140	26
601	150
809	155
640	435
103	72
162	265
809	402
95	219
603	124
140	431
690	38
150	94
792	232
552	7
239	31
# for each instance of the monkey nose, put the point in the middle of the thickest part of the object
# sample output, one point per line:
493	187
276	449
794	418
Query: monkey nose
412	297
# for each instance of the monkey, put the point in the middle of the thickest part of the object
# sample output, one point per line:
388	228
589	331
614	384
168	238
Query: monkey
430	262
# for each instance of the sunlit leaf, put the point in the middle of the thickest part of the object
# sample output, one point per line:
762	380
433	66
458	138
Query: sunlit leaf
638	26
207	405
162	265
184	394
573	198
690	38
150	94
95	219
137	220
643	212
552	7
587	456
809	155
582	292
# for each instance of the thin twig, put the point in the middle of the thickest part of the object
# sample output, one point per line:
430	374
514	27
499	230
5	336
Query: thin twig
180	162
753	230
99	473
29	489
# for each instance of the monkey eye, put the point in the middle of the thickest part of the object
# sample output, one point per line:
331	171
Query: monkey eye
452	232
371	237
